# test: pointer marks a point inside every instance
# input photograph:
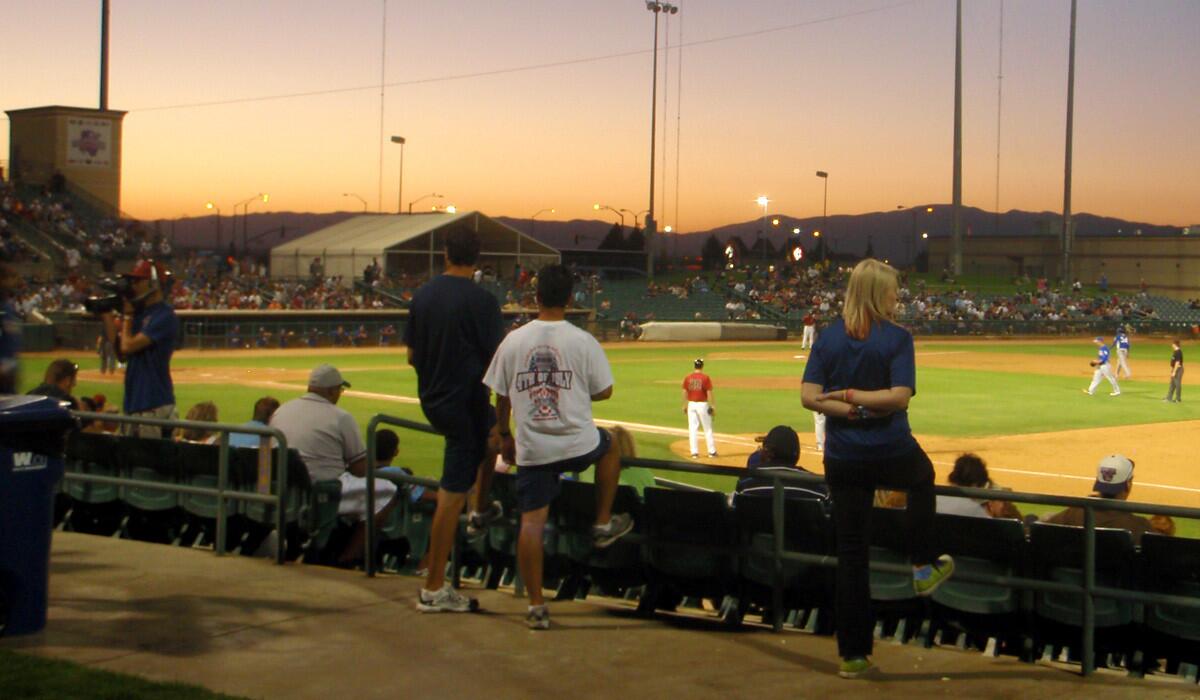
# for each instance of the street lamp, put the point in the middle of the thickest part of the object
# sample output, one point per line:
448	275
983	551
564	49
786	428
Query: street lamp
657	8
245	205
400	191
913	238
618	212
418	200
824	206
210	205
351	194
451	209
533	219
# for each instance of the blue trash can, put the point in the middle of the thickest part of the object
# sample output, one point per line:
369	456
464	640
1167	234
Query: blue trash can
32	431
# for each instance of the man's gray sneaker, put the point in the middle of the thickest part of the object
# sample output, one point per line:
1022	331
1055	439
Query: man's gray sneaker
618	526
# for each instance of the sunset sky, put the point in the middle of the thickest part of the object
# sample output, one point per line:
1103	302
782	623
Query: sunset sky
772	90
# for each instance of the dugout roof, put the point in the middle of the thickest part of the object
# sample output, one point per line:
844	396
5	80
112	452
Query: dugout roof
404	243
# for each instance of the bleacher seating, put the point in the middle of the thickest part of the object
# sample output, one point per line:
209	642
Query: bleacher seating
630	296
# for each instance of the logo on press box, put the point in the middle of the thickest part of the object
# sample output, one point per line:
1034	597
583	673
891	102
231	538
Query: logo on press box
28	461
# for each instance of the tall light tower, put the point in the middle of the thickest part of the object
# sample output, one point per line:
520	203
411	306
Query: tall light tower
400	192
657	8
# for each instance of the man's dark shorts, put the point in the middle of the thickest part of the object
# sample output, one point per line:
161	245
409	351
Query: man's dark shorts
538	486
465	425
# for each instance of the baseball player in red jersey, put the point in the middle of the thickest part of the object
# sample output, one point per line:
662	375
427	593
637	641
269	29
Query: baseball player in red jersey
698	406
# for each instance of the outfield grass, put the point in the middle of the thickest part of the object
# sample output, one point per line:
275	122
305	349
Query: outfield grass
35	678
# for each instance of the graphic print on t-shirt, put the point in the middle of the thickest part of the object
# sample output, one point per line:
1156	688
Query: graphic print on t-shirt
542	381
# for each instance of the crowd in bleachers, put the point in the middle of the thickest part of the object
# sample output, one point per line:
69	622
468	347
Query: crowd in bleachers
53	212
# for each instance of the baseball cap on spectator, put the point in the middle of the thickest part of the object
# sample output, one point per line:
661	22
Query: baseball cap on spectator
783	443
326	376
699	363
1113	475
145	270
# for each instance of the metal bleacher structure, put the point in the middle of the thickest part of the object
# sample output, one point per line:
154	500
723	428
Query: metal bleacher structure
1084	594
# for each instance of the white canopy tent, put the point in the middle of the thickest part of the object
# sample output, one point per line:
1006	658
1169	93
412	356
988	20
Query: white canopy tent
405	243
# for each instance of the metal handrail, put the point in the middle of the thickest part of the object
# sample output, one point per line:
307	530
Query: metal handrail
221	492
1088	589
372	426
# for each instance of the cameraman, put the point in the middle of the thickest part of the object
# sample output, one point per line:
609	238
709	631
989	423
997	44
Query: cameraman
144	338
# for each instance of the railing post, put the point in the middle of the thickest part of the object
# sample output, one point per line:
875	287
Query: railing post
1089	585
777	558
369	543
222	484
282	495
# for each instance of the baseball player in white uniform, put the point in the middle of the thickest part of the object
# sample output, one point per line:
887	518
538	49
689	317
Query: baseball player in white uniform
1102	370
698	406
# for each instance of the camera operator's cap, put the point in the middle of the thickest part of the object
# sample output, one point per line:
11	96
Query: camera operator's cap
326	376
1113	475
146	269
783	442
699	363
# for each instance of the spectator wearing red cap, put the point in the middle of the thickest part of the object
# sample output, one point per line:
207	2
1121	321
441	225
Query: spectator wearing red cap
145	339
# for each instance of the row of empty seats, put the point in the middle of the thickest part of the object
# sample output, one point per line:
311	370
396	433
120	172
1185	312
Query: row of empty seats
691	546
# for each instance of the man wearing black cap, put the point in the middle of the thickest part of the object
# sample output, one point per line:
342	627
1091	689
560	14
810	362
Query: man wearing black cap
145	340
699	409
780	453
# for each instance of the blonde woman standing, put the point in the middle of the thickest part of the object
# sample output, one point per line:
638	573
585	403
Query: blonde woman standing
861	375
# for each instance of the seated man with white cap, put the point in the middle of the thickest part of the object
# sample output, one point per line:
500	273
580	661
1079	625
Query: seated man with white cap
331	445
1114	480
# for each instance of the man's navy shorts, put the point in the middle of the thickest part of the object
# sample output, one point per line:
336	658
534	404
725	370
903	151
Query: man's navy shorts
538	486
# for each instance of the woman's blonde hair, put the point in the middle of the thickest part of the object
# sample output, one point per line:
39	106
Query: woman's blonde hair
623	439
867	297
205	411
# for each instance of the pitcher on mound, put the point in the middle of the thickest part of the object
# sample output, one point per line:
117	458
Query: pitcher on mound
698	406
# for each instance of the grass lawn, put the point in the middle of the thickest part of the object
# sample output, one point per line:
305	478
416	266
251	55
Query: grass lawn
35	678
949	402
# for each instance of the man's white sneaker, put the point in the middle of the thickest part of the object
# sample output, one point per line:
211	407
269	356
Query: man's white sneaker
478	523
538	617
445	599
1115	393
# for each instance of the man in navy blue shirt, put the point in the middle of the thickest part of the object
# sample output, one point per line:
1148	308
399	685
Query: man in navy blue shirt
10	330
145	341
454	327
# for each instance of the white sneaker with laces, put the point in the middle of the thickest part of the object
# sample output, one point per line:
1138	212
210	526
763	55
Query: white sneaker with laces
538	617
445	599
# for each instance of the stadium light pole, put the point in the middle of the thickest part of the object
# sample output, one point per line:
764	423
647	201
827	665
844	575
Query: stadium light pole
657	8
763	202
351	194
824	207
215	208
418	200
400	191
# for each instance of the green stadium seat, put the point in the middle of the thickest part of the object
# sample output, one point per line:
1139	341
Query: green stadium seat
807	529
1171	565
986	547
93	508
613	568
1056	554
691	546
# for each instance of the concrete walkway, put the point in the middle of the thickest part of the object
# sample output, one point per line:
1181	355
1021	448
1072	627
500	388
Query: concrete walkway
251	628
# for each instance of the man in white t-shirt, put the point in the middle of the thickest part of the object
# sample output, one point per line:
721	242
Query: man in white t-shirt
546	374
